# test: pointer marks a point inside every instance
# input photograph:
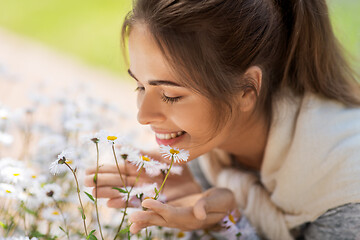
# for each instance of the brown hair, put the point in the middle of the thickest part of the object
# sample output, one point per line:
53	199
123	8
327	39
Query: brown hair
211	43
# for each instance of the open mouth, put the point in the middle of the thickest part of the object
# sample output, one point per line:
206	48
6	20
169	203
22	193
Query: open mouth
167	136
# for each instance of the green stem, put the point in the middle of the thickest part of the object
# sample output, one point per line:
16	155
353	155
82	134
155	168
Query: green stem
163	183
127	202
78	192
117	166
63	217
96	188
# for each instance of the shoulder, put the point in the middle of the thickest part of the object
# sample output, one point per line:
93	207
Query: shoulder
338	223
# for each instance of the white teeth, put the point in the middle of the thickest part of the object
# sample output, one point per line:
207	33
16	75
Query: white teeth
168	136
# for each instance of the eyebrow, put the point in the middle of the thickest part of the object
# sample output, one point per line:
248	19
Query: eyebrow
157	82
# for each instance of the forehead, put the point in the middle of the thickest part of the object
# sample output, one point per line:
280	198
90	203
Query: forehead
145	56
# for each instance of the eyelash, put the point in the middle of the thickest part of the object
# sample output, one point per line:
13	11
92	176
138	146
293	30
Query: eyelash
165	98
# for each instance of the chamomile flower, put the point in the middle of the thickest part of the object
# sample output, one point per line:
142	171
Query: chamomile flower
49	192
6	139
67	156
78	124
13	175
163	168
33	197
143	192
105	136
144	161
10	162
128	153
229	225
51	214
8	191
4	113
179	155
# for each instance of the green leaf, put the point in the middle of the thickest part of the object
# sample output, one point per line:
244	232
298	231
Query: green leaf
62	229
91	236
82	213
90	196
124	231
37	234
95	178
120	190
156	191
27	209
3	225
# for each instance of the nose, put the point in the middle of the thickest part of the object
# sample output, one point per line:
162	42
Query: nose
149	109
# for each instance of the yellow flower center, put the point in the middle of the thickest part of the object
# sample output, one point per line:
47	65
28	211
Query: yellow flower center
8	191
181	235
111	138
55	213
231	218
69	161
145	159
16	174
173	151
33	176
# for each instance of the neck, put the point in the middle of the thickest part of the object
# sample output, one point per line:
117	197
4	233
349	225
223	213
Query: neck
248	141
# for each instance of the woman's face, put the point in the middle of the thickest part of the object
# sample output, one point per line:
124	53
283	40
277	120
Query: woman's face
178	116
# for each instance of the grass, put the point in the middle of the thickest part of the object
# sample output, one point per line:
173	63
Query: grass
90	29
86	29
346	21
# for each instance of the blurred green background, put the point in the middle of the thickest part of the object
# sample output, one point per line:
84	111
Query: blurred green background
90	29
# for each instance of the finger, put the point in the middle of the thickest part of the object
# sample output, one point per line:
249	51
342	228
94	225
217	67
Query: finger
142	219
135	228
162	209
216	200
121	203
199	209
106	192
130	169
107	179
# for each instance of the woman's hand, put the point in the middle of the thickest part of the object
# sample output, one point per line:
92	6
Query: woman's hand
176	186
197	211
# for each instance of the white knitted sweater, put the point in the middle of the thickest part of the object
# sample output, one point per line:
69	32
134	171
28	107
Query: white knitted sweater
311	164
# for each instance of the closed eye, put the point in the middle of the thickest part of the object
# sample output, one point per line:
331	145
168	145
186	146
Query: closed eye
170	99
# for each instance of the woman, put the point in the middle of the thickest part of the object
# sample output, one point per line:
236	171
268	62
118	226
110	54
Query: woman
260	91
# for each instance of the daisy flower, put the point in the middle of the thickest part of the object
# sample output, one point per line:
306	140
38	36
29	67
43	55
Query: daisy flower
33	197
4	113
145	191
179	155
105	136
51	214
49	192
8	191
10	162
67	156
13	175
144	161
163	168
6	139
78	124
128	153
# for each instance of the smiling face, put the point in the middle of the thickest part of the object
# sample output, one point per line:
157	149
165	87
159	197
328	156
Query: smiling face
178	116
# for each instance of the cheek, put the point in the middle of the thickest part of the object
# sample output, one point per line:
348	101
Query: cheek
196	120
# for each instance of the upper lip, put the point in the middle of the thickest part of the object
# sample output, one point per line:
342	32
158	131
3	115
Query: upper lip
164	131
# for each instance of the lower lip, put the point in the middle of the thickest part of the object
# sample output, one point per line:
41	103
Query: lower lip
169	142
